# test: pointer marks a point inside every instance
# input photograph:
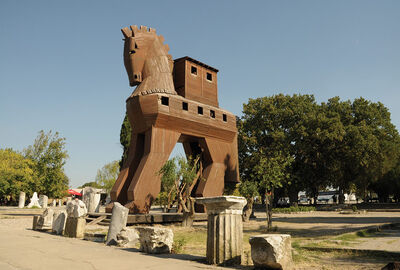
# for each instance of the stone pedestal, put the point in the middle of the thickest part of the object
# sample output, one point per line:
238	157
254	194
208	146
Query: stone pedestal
75	227
224	229
21	201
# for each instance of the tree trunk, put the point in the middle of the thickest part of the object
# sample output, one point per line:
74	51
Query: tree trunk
293	196
188	214
268	208
248	209
341	196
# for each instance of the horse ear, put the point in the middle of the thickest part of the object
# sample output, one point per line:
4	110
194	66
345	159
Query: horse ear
126	32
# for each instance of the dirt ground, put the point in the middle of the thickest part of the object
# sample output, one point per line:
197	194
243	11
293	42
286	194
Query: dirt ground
22	248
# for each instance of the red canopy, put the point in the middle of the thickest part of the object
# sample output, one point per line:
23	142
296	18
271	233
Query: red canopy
73	192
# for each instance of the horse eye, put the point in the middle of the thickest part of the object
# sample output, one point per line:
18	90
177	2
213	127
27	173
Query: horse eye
132	52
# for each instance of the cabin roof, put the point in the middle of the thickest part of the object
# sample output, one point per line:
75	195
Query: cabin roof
196	62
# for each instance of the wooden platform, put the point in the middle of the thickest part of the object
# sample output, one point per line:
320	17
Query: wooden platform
152	218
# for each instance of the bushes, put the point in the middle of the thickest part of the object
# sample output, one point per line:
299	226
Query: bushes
293	209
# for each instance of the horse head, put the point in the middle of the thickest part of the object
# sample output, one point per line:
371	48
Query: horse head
147	62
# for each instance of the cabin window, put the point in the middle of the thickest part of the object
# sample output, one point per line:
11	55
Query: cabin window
212	114
224	118
193	70
165	101
185	106
209	76
200	110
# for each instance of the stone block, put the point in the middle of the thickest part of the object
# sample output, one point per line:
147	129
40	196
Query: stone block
127	237
35	221
75	227
59	221
76	208
91	198
119	219
155	240
271	251
43	201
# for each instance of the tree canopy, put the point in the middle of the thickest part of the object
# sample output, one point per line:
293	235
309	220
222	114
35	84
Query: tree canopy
17	174
294	143
107	175
49	156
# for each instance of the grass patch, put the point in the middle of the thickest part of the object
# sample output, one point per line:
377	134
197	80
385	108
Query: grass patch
294	209
190	240
178	245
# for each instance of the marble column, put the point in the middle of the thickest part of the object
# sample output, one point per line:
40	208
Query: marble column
224	229
21	201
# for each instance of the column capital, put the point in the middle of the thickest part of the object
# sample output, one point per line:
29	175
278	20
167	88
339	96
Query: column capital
223	204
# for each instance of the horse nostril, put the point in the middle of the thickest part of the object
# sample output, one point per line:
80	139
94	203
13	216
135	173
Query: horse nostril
136	76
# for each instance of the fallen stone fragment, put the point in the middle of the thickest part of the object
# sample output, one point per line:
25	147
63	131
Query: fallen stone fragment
155	240
271	251
127	238
45	221
119	219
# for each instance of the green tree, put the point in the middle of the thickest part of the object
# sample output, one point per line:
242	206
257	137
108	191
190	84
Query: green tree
49	156
273	126
107	175
16	174
91	184
178	177
249	190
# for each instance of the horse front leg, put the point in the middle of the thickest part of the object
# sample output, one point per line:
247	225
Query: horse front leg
146	182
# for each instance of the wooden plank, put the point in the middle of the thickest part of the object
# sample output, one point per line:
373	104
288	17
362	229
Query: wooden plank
97	220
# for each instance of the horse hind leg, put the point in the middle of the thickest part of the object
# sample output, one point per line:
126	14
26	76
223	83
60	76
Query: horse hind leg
220	166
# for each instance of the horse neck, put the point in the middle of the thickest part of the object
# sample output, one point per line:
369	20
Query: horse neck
157	75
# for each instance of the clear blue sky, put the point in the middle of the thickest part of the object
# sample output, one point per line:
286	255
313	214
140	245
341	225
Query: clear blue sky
61	65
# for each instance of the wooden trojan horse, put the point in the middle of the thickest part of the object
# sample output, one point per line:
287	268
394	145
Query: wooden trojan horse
174	101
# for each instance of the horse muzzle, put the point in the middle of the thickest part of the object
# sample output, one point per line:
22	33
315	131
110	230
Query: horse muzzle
136	79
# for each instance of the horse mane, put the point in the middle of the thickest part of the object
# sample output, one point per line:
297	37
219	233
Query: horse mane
136	32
